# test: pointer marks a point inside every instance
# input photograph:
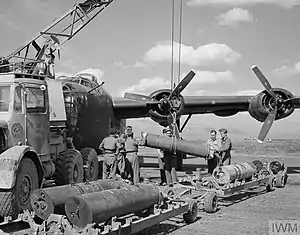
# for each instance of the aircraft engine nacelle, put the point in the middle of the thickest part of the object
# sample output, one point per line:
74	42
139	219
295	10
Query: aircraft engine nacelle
261	104
160	112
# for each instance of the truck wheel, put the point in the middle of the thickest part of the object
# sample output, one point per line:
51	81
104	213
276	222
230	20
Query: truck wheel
89	156
191	215
69	167
210	202
17	199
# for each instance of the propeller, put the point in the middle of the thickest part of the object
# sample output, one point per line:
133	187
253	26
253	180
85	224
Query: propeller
277	103
166	102
177	90
267	125
263	80
140	98
183	83
294	100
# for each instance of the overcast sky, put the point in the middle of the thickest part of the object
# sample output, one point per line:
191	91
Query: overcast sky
128	46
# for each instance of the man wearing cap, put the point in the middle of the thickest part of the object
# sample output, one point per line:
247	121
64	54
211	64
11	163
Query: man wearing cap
225	148
50	65
213	157
131	150
121	155
161	164
170	162
109	147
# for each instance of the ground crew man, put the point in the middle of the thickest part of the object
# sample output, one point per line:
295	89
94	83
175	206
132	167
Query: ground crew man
50	65
161	164
170	162
109	147
213	145
121	156
225	148
131	149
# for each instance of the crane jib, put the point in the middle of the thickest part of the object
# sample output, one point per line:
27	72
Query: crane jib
54	36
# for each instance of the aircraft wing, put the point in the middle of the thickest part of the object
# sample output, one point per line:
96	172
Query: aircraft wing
267	106
219	105
260	107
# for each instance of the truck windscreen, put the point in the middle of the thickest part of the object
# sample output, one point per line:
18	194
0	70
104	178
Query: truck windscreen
4	98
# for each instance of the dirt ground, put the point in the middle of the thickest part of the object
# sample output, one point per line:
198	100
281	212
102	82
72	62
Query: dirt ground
240	214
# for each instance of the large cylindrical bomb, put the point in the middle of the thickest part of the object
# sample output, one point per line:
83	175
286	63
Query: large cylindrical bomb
171	144
51	200
98	207
227	174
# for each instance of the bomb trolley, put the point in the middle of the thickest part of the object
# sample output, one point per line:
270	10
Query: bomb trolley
125	210
229	180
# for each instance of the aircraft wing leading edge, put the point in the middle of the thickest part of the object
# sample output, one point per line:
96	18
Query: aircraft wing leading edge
220	105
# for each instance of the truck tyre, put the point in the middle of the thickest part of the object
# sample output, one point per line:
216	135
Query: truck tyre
90	159
69	167
17	199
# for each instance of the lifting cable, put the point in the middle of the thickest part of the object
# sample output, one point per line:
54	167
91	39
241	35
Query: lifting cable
173	41
180	39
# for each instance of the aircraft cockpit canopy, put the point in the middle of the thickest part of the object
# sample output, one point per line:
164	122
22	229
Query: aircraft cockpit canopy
86	79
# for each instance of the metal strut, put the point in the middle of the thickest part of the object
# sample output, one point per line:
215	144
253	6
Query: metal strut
57	34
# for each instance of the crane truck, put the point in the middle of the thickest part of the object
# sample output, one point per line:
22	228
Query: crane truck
42	131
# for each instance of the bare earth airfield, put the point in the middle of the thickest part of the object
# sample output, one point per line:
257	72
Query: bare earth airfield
242	213
247	213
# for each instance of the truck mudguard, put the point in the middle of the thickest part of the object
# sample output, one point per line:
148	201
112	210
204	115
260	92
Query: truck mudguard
9	163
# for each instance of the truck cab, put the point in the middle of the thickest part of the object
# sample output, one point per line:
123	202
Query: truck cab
31	134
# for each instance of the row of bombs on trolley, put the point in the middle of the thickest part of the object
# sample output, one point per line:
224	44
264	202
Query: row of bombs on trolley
98	201
247	171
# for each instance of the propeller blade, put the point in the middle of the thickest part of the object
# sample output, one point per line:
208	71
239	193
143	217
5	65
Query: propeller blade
183	83
138	97
295	100
263	80
267	125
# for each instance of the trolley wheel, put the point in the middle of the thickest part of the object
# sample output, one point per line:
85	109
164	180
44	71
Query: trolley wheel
210	202
191	215
281	181
271	184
